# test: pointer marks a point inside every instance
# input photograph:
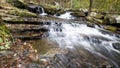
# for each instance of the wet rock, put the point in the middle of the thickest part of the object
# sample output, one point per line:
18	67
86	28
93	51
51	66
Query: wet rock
90	25
78	59
32	65
35	8
116	46
111	28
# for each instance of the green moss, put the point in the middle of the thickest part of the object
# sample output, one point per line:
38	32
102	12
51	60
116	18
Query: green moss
21	13
111	28
16	3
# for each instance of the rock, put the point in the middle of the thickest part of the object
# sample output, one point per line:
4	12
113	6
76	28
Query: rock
116	46
98	20
35	8
111	28
109	19
17	3
96	15
118	19
51	10
78	14
78	59
33	65
44	61
94	20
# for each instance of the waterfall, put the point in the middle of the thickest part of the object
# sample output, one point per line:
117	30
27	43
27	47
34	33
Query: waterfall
41	11
66	15
71	35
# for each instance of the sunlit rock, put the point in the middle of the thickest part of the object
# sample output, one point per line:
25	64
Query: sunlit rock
118	19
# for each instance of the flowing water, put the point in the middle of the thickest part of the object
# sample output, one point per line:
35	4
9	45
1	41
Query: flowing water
41	11
75	34
66	15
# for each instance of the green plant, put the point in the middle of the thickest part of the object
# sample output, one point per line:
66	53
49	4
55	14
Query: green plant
5	37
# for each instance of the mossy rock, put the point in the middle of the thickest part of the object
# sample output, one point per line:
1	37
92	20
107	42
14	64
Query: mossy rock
89	18
17	3
94	20
52	9
97	15
21	13
108	19
111	28
78	14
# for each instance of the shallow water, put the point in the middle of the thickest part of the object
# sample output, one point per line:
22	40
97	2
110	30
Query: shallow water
77	36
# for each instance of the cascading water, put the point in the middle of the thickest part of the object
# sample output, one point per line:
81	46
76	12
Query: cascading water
41	11
66	15
95	40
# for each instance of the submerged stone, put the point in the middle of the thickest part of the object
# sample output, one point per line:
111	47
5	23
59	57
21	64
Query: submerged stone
116	46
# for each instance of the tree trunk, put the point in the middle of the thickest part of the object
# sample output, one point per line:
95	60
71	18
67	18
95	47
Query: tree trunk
71	3
90	7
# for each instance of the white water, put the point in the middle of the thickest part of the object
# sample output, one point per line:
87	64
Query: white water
43	11
66	15
70	35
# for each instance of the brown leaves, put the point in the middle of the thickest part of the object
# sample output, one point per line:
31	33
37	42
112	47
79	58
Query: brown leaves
22	55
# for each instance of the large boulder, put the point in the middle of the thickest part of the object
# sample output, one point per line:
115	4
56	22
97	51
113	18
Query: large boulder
53	10
113	20
109	19
97	15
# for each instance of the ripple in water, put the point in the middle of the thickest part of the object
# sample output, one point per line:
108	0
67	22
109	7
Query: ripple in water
72	35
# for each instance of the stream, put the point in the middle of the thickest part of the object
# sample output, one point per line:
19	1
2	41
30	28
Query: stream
81	45
77	36
80	39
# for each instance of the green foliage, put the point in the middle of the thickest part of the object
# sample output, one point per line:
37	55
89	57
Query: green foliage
80	4
107	5
4	37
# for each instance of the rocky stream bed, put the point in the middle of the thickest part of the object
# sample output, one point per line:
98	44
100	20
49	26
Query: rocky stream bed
60	39
41	48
